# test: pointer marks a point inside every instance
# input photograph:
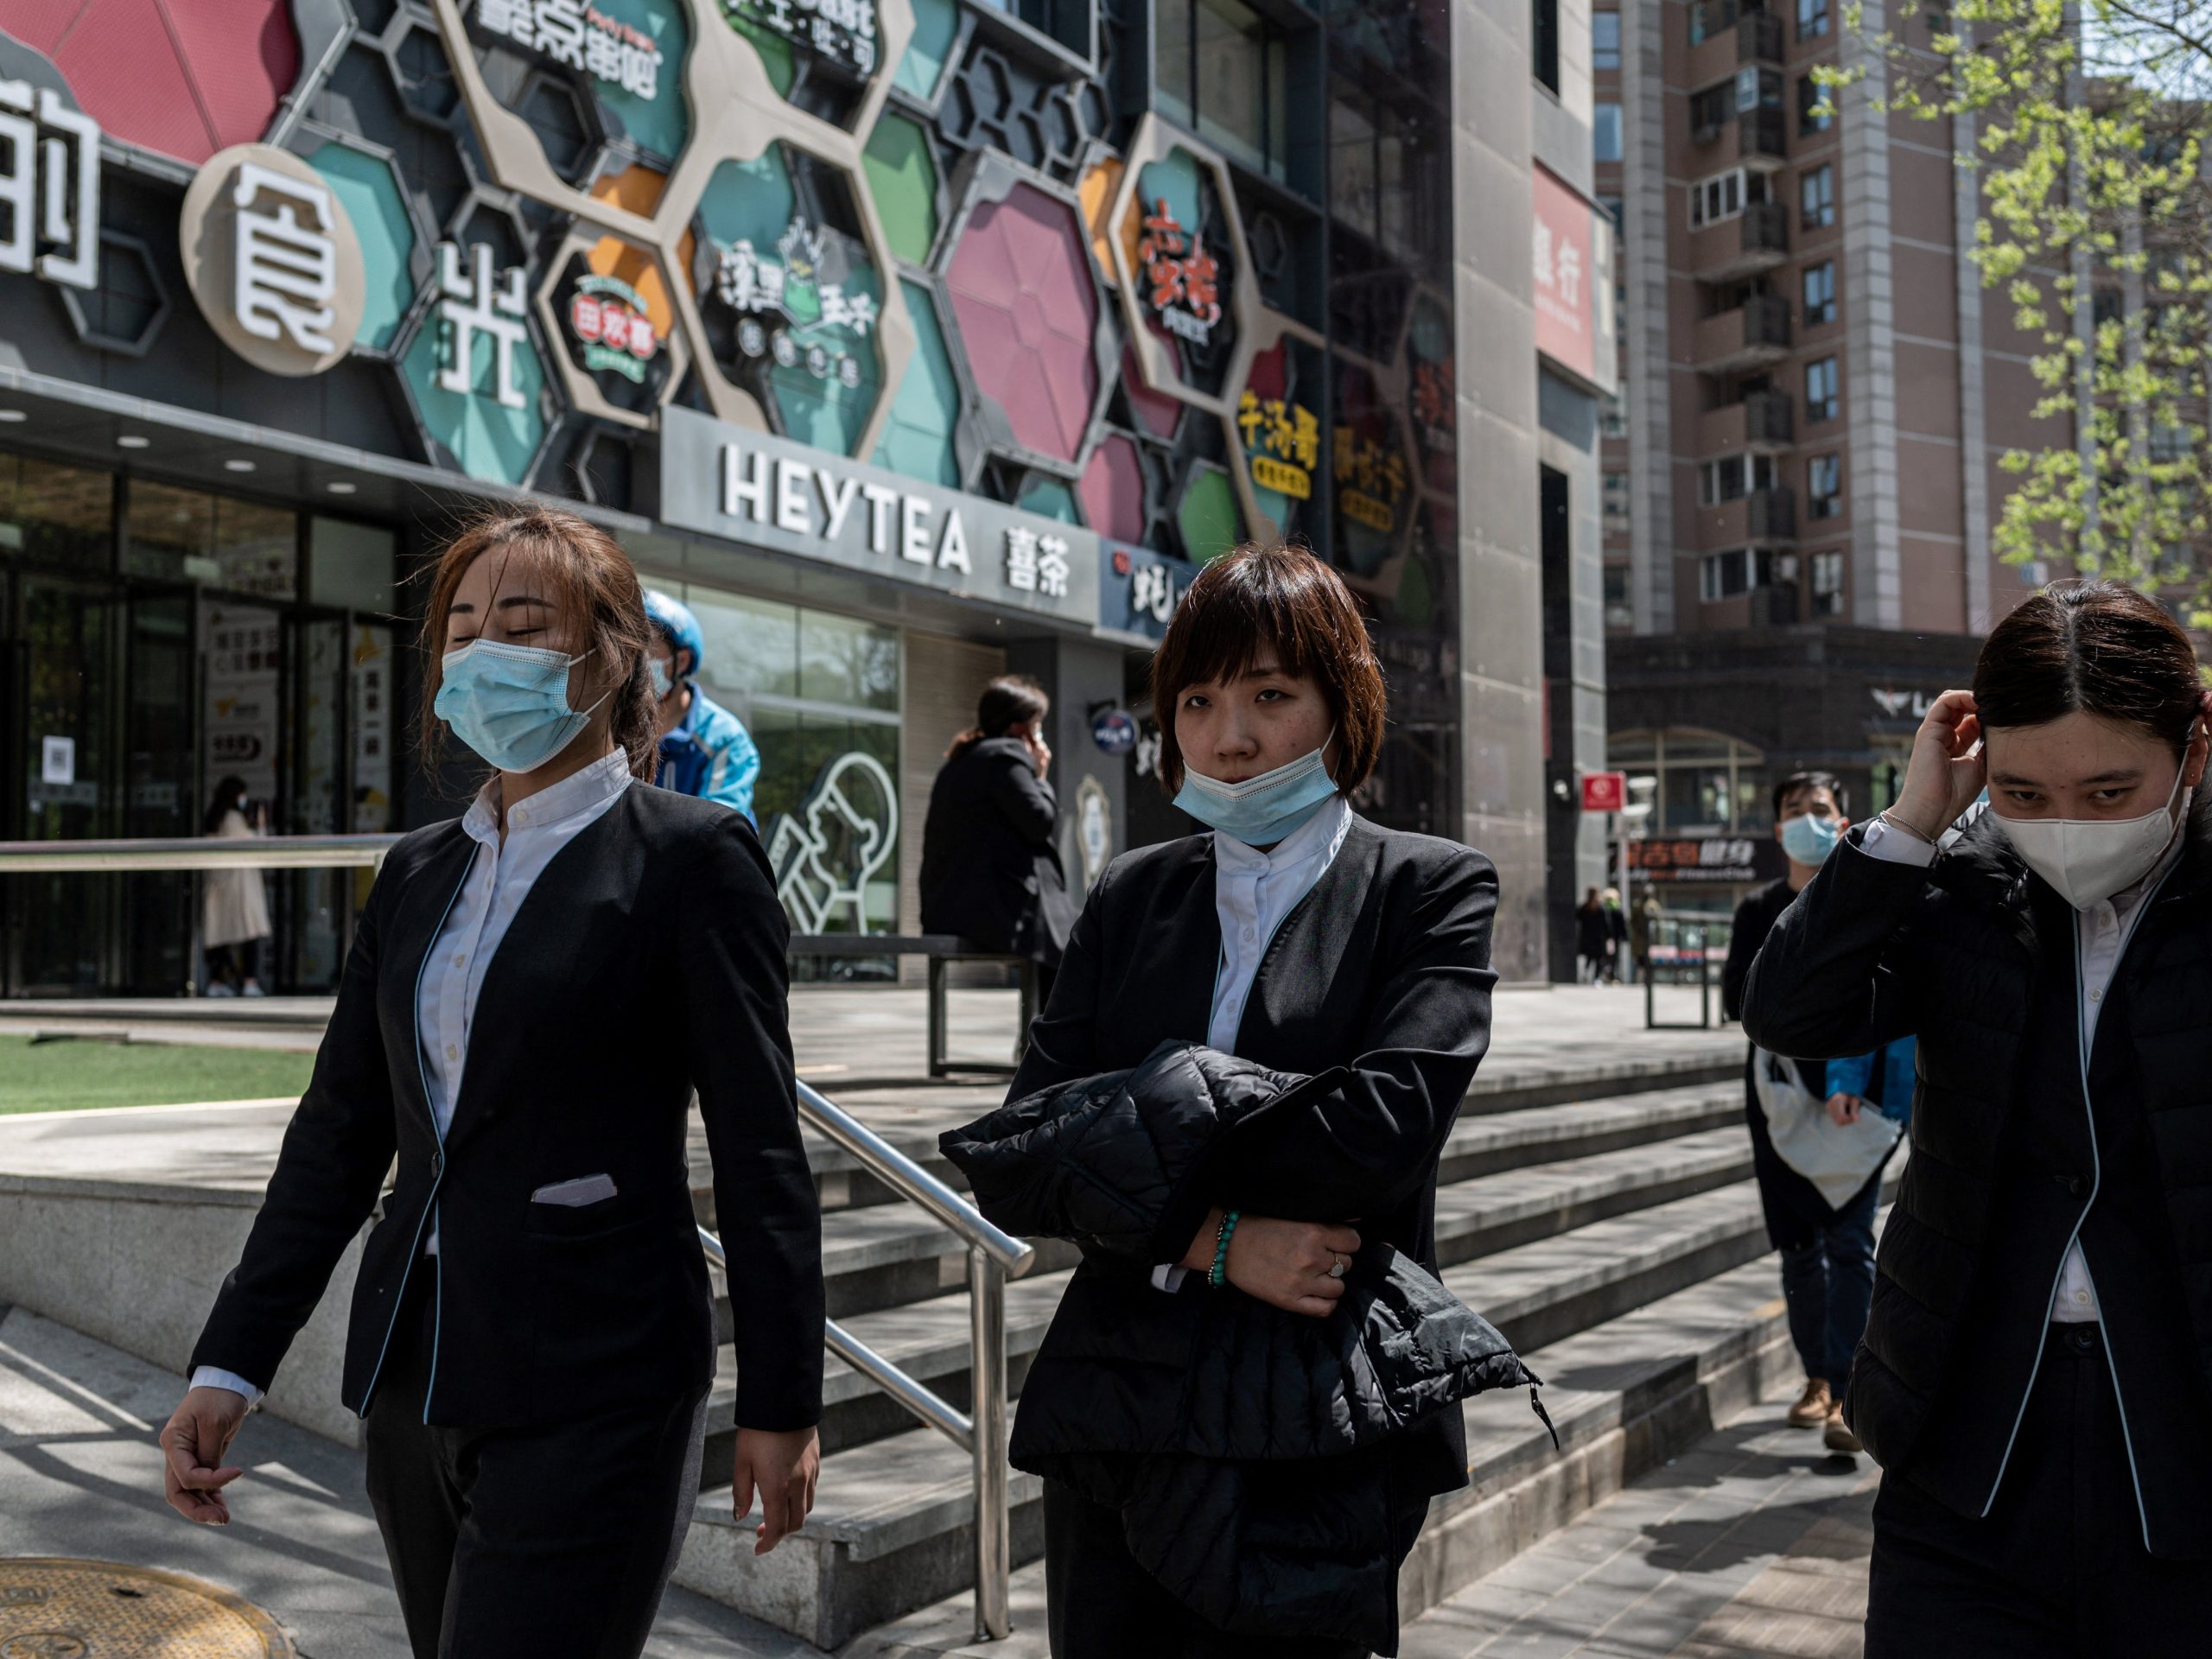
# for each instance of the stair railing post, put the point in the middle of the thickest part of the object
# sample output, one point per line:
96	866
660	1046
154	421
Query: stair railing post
986	1336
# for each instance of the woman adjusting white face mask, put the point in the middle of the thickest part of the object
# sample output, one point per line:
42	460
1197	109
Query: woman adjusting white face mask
2087	860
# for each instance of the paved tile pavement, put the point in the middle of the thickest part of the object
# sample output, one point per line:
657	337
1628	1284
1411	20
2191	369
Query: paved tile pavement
1752	1545
80	1475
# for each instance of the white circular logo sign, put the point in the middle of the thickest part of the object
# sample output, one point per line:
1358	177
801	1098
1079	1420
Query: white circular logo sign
272	259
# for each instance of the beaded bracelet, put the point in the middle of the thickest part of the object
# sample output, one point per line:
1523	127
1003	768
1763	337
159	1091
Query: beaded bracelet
1218	1275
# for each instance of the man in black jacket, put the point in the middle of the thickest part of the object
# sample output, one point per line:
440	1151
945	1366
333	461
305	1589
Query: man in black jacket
1827	1255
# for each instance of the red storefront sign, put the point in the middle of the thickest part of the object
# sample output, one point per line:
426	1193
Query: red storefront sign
1565	306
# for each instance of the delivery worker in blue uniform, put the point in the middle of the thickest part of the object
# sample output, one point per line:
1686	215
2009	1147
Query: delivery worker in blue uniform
704	749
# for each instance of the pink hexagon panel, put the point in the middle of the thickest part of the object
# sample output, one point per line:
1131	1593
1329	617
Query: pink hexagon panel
1025	296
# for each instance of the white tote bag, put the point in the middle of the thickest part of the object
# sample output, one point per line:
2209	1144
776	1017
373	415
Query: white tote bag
1836	1158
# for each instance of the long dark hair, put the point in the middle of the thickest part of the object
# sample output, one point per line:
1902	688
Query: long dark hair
2092	648
226	799
595	583
1007	702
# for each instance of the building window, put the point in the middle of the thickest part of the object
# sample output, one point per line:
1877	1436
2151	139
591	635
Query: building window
1606	132
1724	195
1613	418
1604	41
1711	18
1615	500
1757	89
1827	582
1812	19
1544	49
1821	389
1824	486
1724	575
1812	114
1820	293
1620	611
1733	477
1222	70
1816	196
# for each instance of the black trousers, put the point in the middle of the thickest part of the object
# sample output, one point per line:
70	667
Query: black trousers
524	1543
1099	1604
2058	1570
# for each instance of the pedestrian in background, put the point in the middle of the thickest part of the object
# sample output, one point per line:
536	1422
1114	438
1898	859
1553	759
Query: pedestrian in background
2033	1375
990	867
532	1342
704	749
1642	930
1593	937
234	907
1827	1248
1615	933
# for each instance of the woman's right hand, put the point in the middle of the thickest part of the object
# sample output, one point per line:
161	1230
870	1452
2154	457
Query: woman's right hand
1283	1263
1946	771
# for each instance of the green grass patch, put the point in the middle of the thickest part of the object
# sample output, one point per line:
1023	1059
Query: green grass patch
62	1076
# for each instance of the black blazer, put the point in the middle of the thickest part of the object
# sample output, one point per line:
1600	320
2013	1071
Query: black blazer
989	868
1383	967
647	960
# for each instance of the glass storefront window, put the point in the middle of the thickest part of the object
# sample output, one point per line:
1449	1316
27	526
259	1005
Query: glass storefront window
751	645
241	547
351	566
1706	781
847	662
56	515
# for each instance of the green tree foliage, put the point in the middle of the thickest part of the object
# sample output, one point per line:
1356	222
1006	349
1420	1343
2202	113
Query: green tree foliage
2095	226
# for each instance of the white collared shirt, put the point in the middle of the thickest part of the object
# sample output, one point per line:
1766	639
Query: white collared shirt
2103	931
484	908
1253	893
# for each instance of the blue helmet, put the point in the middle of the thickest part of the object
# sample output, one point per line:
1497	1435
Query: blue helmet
676	621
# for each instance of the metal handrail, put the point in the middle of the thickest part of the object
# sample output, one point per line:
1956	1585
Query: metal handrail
994	1255
197	853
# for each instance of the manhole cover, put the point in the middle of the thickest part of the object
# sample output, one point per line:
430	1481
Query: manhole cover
54	1608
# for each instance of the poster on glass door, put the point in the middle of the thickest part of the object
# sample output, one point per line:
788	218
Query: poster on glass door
242	646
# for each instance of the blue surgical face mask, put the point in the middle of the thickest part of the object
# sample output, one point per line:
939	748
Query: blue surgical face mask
1809	840
1261	810
510	703
662	683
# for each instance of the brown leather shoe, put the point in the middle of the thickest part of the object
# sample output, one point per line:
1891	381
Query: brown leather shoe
1837	1436
1813	1406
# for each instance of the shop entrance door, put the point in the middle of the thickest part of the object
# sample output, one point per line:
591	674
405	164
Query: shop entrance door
60	931
159	793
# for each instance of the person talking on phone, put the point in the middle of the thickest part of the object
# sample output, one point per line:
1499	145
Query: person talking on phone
534	992
2033	1379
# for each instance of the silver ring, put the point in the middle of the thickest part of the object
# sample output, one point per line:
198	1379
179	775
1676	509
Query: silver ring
1336	1268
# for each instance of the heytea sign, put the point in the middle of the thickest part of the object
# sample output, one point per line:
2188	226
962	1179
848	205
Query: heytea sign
749	486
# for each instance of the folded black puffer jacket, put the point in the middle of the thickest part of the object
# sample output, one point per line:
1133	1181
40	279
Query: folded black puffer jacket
1246	1447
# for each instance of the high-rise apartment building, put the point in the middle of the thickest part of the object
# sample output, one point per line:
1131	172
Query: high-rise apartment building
1800	472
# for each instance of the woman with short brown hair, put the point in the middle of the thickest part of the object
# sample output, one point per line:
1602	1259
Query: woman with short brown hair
532	1334
1325	983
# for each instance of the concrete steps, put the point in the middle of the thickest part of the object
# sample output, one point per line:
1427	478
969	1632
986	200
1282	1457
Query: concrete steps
1619	1228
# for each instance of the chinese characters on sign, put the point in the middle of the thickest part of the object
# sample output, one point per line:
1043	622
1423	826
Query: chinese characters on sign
284	264
1036	564
1182	280
51	188
608	320
471	304
1433	415
1139	589
799	289
244	655
1283	443
1560	268
1371	480
841	33
582	36
1708	859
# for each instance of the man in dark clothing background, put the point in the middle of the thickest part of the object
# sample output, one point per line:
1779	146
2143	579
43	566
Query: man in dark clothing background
1827	1254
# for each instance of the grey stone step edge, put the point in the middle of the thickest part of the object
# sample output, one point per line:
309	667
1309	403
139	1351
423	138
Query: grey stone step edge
878	1257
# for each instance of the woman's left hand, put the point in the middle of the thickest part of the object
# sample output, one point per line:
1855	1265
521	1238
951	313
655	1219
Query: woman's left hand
783	1467
1843	1110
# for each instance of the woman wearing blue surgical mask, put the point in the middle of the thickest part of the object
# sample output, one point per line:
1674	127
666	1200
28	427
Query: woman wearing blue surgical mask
535	993
1294	933
2035	1375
